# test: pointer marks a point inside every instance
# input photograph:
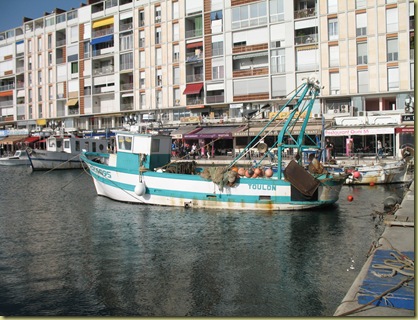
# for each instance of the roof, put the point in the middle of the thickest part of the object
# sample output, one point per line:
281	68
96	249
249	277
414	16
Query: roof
12	139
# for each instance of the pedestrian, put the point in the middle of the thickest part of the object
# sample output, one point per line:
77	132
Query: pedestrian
329	146
379	148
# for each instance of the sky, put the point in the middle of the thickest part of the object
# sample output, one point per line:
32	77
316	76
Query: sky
13	11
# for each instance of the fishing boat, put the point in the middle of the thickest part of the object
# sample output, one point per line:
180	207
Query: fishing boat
381	173
62	152
140	171
19	158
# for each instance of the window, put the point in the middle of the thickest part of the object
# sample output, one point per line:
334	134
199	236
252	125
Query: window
393	79
363	81
278	61
392	49
216	21
86	50
142	59
158	55
142	100
40	94
39	77
361	53
142	80
30	95
39	61
29	46
39	44
332	6
361	24
74	67
217	72
126	61
158	35
176	32
334	56
40	115
276	10
360	4
176	96
176	53
334	83
333	29
49	41
126	42
249	15
157	14
141	18
392	20
176	75
141	39
30	79
218	48
175	10
159	78
159	99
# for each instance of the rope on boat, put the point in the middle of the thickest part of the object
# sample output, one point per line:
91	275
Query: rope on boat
78	155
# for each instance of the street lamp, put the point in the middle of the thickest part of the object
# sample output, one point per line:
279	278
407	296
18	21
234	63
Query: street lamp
409	104
131	119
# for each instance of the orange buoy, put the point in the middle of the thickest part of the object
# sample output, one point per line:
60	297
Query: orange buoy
241	171
372	183
247	174
350	198
268	173
234	169
356	174
257	171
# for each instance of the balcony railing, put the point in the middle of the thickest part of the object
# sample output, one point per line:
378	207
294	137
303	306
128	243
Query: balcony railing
125	26
193	57
103	51
305	13
306	39
194	101
60	43
412	54
194	33
6	103
194	77
126	86
102	32
215	99
103	70
72	111
126	107
7	87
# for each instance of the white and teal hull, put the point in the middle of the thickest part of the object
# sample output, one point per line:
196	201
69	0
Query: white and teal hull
185	190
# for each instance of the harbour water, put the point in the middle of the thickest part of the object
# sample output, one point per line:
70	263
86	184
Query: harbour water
66	251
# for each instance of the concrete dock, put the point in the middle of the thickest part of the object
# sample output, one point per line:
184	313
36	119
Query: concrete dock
398	236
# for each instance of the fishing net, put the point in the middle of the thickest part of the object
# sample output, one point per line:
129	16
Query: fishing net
220	176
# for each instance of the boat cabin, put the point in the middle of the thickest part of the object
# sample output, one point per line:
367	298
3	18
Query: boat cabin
76	144
145	151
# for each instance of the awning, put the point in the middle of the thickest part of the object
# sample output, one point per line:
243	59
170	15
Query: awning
274	131
178	134
103	22
72	102
213	133
340	132
102	39
31	139
193	88
405	130
12	139
195	107
250	55
7	93
194	45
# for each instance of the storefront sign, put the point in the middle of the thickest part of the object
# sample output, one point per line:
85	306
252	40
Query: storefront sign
357	132
407	117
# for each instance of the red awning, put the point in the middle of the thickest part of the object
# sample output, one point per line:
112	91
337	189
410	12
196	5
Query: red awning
194	45
31	139
193	88
405	130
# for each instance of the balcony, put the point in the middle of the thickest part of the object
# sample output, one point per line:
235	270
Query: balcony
127	107
126	86
72	111
7	87
194	101
194	33
306	39
103	70
305	13
194	77
102	32
125	26
193	57
60	42
215	99
6	103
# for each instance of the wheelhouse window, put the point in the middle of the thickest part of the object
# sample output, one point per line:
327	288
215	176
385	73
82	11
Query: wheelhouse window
124	143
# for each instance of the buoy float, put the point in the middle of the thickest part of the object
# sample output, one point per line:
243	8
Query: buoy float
350	198
356	174
241	172
247	174
372	183
268	173
257	171
140	189
250	171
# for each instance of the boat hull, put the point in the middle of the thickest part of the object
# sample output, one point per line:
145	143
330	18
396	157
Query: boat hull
380	174
48	160
185	190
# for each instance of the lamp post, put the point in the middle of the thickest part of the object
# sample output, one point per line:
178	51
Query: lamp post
131	119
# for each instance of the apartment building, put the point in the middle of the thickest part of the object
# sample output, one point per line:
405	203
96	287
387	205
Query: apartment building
190	61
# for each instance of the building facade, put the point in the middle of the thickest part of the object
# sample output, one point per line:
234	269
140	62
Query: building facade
174	62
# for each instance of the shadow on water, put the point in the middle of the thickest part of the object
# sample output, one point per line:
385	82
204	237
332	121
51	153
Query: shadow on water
66	251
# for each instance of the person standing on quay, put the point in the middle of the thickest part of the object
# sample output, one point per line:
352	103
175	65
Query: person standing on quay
329	146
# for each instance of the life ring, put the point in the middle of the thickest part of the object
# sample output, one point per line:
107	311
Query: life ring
407	152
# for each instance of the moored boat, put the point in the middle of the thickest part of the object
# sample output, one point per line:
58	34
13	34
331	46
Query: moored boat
140	172
19	158
63	152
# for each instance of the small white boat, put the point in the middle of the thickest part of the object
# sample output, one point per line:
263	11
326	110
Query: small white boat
63	152
18	159
381	173
141	172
